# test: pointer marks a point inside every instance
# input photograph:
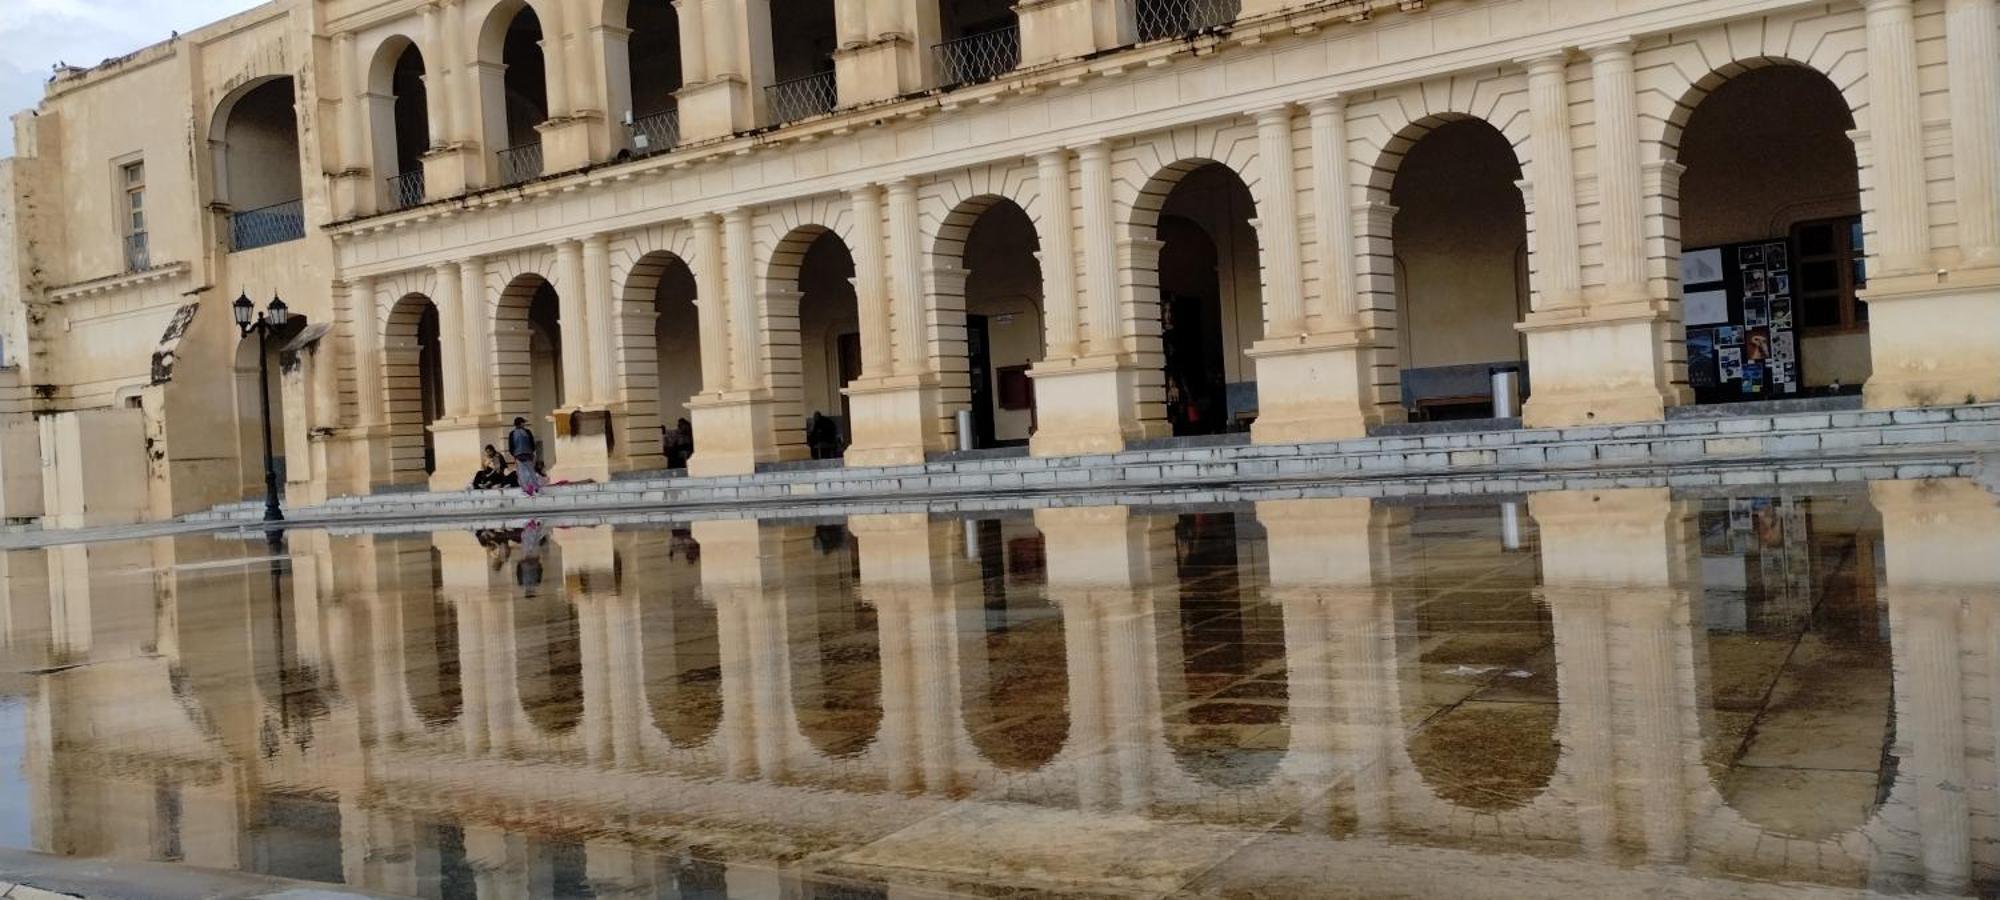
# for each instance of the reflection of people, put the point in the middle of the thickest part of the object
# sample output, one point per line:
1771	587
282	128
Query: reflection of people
528	572
521	444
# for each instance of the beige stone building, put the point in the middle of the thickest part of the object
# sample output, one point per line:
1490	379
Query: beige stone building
1087	222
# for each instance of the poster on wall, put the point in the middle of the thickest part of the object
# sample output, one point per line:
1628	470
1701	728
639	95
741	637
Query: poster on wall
1701	357
1740	315
1707	307
1701	267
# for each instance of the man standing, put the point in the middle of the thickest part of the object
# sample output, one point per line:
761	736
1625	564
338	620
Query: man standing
521	444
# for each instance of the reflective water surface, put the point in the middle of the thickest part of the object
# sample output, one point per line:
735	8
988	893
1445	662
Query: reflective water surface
1572	693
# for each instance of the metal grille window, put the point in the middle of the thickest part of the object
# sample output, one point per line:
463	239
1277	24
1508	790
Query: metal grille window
1174	18
274	224
523	163
656	133
802	98
137	257
407	190
980	57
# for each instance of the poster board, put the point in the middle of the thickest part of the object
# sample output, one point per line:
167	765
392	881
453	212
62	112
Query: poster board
1742	343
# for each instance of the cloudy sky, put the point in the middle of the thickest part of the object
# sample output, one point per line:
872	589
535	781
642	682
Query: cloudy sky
36	34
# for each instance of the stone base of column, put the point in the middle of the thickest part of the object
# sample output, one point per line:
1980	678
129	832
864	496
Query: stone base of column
1603	365
715	109
458	445
1056	29
581	439
894	420
1317	388
637	444
1932	343
1084	406
733	432
870	73
355	460
566	143
453	170
355	193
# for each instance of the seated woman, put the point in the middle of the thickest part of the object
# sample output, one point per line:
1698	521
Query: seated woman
493	471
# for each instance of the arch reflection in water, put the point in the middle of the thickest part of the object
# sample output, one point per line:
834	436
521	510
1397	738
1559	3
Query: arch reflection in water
1793	687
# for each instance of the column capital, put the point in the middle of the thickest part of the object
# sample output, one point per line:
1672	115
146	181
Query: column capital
736	215
1614	48
1280	114
903	187
1875	6
445	269
1331	104
1554	61
1052	155
864	190
1094	150
601	241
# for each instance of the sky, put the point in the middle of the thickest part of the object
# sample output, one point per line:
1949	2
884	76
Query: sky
37	34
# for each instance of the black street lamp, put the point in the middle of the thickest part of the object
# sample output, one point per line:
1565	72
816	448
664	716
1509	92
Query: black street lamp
248	319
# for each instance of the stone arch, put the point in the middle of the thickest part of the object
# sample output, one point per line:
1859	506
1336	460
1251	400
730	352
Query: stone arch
527	366
1198	268
1823	203
996	234
642	71
399	118
413	386
789	323
514	70
656	340
254	150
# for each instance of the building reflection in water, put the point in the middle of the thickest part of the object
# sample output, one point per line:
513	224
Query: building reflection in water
1278	698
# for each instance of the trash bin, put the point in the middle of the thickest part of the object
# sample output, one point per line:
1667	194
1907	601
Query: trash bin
966	439
1506	393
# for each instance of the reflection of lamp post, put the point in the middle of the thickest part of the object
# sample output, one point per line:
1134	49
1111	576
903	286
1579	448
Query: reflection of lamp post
264	323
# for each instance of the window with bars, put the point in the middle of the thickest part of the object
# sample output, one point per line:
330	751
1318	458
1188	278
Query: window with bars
1829	266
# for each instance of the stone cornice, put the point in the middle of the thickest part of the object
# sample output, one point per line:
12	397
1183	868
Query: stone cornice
120	283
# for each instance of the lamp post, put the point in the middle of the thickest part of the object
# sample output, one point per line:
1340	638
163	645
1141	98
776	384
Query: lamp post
248	319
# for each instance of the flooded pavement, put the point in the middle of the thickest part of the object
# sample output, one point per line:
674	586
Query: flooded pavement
1571	693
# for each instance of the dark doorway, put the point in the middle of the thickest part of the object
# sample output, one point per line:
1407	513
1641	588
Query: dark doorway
850	369
979	352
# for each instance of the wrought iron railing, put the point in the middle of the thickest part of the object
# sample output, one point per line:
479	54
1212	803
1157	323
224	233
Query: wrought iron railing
274	224
523	163
407	190
980	57
802	98
656	133
1175	18
138	258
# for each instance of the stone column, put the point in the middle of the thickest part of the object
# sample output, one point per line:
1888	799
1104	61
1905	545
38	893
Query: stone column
575	328
1053	30
1553	173
735	50
1100	260
369	429
1933	333
894	405
1614	359
736	429
454	164
1315	382
906	251
437	79
1974	73
478	323
354	187
454	459
601	312
1618	187
871	288
886	56
694	41
1089	404
1058	255
1896	137
711	305
746	361
1284	278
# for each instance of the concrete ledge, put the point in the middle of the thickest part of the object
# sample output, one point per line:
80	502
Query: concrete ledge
1849	445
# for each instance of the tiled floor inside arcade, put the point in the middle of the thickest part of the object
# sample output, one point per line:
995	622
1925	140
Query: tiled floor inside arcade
1572	693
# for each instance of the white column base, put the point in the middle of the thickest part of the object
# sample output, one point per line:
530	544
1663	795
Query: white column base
458	446
582	441
894	421
716	109
566	143
1934	343
453	170
1084	406
1316	388
733	432
1602	365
